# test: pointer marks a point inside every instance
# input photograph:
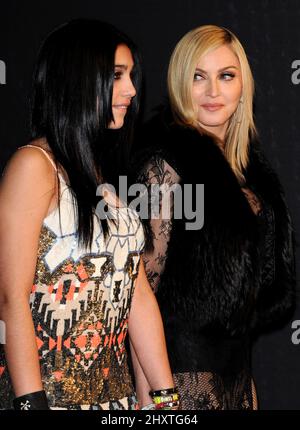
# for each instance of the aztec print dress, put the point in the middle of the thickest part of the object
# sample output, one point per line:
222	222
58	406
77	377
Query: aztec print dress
80	302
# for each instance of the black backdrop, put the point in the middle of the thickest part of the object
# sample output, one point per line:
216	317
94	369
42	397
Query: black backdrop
270	32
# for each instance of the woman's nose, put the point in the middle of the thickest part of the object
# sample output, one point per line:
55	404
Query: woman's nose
129	90
213	88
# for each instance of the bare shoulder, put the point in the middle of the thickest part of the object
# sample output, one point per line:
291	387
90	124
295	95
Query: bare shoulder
43	144
40	143
39	146
29	167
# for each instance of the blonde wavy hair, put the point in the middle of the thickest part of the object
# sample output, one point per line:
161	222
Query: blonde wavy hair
184	60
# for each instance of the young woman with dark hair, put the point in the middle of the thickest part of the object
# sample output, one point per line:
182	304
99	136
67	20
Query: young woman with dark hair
72	284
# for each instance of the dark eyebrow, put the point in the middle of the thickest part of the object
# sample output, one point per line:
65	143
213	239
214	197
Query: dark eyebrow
221	70
121	66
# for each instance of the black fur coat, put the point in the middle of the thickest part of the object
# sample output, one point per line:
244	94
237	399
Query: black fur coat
220	279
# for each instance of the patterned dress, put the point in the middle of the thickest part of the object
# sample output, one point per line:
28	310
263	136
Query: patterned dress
80	302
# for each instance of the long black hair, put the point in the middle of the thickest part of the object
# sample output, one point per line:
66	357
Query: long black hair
71	106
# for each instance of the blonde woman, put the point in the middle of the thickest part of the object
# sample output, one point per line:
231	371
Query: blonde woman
220	283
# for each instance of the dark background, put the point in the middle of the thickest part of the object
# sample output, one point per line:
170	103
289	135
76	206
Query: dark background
270	33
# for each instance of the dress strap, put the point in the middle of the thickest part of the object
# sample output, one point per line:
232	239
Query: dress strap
43	151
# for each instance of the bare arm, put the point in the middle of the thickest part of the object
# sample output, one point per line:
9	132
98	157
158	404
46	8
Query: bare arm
142	385
26	191
147	339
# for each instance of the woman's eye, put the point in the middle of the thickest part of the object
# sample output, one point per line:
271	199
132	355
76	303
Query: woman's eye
117	75
227	76
198	77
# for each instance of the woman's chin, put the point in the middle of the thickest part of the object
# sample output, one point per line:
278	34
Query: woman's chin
115	125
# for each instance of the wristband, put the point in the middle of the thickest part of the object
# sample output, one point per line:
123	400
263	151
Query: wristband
32	401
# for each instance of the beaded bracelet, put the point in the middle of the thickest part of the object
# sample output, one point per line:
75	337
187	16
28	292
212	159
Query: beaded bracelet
149	407
161	399
167	405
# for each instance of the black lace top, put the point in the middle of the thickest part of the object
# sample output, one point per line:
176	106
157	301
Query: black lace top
212	384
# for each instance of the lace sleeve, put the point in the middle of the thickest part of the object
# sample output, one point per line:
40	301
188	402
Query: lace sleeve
158	172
